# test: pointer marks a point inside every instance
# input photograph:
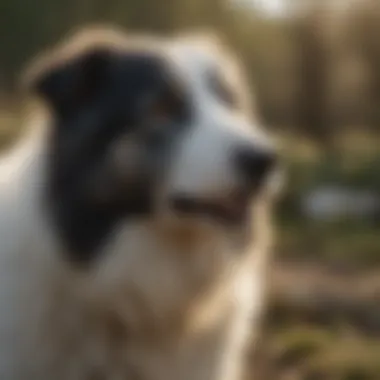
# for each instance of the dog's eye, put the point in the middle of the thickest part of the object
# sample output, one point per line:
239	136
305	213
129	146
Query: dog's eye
221	89
168	106
161	109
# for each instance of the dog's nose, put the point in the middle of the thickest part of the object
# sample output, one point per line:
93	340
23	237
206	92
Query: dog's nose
255	163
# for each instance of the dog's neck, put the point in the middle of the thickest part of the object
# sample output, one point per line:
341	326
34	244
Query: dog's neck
154	281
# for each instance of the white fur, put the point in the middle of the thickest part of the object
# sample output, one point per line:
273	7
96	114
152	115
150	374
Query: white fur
165	301
204	167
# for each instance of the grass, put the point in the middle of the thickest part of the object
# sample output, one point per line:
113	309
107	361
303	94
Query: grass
310	353
323	320
320	324
355	164
352	245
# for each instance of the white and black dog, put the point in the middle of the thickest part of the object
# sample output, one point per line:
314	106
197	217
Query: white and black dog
133	215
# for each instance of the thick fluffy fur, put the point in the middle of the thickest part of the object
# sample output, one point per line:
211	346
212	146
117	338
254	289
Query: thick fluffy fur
160	295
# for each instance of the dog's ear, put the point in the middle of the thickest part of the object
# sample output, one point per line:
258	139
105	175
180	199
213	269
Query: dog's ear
70	75
70	85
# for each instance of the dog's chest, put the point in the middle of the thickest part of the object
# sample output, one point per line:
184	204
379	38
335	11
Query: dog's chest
109	353
65	340
75	344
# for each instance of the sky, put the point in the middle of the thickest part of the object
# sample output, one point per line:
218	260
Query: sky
279	7
272	8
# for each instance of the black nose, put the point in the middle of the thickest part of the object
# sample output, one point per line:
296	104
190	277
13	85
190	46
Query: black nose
255	163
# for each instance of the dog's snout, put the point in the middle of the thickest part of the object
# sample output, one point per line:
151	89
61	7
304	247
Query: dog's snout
255	163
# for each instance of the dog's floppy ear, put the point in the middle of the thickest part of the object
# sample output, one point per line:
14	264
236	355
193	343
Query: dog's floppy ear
67	77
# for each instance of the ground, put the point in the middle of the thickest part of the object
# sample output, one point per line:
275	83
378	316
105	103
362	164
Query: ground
322	323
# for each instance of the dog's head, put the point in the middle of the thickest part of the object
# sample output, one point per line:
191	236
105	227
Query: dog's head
147	129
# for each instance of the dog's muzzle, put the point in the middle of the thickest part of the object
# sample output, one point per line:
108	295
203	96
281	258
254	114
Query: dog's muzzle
253	166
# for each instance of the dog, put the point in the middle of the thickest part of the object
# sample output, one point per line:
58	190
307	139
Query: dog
134	222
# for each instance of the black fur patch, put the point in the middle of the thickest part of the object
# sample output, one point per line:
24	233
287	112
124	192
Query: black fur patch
100	99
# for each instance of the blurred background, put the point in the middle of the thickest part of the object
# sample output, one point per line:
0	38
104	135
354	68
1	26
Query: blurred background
315	67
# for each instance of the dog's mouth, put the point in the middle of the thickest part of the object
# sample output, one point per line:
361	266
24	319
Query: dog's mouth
233	210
